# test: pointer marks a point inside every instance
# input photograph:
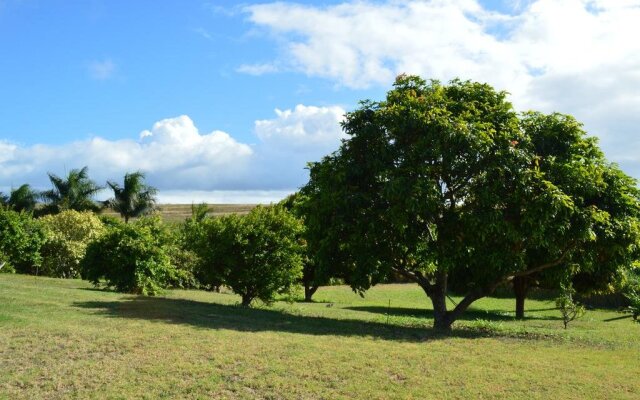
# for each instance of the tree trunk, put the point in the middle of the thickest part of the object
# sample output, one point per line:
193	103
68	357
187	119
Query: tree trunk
309	291
246	300
520	289
441	317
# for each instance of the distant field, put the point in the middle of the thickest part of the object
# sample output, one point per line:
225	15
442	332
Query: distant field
64	339
180	212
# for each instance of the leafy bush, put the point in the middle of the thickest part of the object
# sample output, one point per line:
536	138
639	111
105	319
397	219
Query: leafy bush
5	265
185	264
131	258
195	244
257	255
569	308
67	237
21	237
634	304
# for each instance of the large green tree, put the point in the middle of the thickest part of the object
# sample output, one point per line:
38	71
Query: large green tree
564	156
443	185
74	192
134	198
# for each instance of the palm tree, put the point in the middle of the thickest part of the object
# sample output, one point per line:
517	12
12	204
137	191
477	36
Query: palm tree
73	193
23	198
134	199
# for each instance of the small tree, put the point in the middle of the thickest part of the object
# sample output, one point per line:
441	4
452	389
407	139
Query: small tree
131	258
256	255
134	198
569	308
75	192
67	236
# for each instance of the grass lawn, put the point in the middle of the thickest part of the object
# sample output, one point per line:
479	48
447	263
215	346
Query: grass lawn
64	339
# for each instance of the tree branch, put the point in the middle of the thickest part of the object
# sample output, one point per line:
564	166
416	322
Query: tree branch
417	277
481	292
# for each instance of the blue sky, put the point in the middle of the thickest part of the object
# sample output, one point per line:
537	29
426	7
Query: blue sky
224	102
73	69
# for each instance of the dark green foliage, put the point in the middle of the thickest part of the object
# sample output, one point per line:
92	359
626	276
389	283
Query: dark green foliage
131	258
194	244
21	237
75	192
186	264
634	304
257	255
631	292
448	187
134	198
316	271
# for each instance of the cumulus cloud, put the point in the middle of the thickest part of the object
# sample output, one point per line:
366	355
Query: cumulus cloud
304	128
573	56
173	154
102	70
190	166
294	138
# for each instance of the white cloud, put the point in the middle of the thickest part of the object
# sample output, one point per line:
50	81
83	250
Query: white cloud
294	138
574	56
258	69
173	154
304	127
102	70
189	166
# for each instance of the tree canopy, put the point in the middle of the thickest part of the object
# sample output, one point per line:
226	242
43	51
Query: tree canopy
134	198
257	255
447	186
75	192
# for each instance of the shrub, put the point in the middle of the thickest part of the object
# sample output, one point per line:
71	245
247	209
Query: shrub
21	237
5	265
131	258
569	308
257	255
634	304
67	236
195	245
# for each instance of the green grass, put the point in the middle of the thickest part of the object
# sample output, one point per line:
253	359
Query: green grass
64	339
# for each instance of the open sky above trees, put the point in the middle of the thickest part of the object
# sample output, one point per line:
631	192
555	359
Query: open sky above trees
225	103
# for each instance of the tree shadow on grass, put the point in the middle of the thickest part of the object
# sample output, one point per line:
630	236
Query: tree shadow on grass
218	316
470	314
618	318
